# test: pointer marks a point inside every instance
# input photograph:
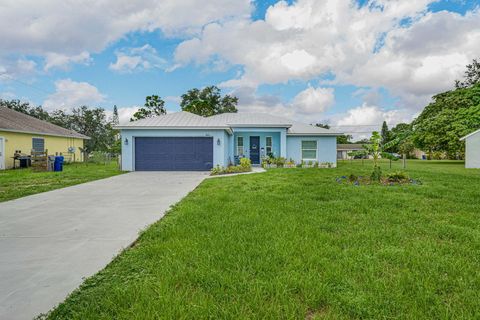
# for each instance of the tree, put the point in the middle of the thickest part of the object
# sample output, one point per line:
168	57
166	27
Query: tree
321	125
385	133
154	106
363	141
91	122
344	139
471	77
451	115
208	102
115	118
26	108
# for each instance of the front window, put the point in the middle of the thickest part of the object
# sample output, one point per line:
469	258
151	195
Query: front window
240	146
268	145
309	150
38	144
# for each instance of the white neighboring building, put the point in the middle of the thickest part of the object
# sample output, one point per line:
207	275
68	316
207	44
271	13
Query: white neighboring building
472	150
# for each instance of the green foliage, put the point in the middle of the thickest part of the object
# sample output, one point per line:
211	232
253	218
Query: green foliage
280	161
344	139
374	147
245	163
99	157
397	176
449	117
91	122
154	106
352	177
115	118
385	134
389	156
26	108
244	166
376	174
471	77
208	102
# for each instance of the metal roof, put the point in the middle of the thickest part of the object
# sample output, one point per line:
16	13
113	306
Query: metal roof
350	146
187	120
471	134
14	121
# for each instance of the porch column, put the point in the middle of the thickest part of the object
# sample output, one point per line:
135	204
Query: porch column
283	143
231	151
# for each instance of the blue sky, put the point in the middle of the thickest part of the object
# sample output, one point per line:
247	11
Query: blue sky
336	61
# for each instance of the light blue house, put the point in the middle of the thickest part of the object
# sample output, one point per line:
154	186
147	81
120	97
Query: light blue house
185	141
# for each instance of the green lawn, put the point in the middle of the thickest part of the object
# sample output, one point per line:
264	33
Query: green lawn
294	244
23	182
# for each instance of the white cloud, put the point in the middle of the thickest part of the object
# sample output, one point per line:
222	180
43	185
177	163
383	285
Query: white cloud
124	113
368	46
69	28
137	59
70	94
423	59
314	100
360	121
62	61
13	69
307	106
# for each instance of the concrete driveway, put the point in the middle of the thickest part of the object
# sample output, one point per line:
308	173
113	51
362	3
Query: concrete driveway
51	241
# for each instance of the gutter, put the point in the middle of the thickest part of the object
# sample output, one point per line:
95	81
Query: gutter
46	134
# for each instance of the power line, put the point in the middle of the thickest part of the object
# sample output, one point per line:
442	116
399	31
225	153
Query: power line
24	83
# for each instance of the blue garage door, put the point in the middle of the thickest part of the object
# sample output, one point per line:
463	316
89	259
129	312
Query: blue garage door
173	153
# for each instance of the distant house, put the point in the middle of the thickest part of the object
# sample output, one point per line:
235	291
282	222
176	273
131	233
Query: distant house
472	149
343	150
20	134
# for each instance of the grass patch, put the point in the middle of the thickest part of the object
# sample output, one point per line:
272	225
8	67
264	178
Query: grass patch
293	243
24	182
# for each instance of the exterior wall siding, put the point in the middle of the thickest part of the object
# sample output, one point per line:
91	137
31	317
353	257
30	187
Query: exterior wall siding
326	148
220	151
23	141
472	151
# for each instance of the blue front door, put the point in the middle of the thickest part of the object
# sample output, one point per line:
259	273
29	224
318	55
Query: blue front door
255	150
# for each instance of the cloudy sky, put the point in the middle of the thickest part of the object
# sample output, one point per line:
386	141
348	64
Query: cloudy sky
346	62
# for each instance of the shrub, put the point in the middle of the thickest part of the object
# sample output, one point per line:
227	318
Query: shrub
99	157
245	163
280	161
216	170
397	176
376	174
352	178
245	166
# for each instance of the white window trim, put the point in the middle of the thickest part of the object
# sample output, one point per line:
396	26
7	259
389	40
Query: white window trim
243	146
316	150
267	146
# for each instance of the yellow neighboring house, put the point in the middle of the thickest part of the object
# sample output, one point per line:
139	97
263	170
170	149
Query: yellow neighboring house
20	134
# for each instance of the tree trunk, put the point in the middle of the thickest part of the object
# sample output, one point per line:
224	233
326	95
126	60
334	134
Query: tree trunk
404	161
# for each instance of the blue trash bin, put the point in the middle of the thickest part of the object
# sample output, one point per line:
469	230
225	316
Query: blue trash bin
58	164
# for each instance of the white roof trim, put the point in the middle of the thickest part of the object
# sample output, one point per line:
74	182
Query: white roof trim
259	125
468	135
316	134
